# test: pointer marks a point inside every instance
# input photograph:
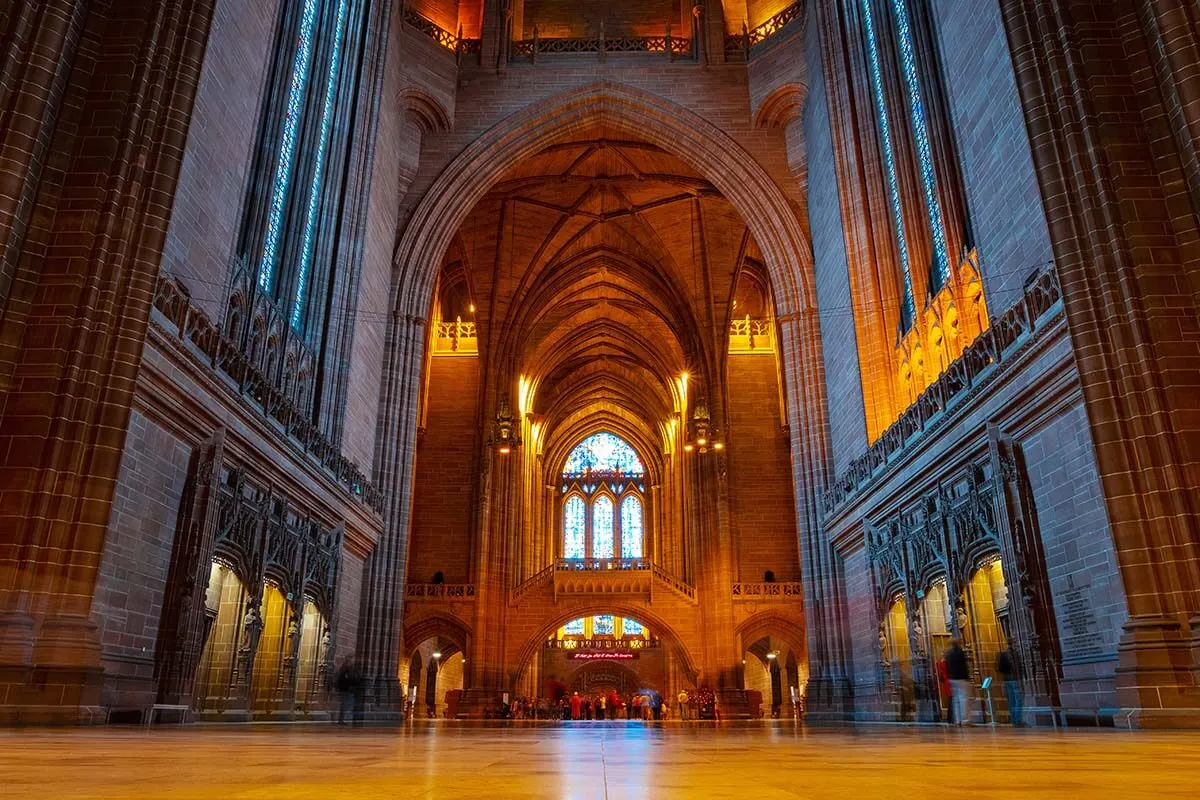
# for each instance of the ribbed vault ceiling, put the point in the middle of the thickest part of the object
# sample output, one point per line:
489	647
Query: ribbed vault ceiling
602	269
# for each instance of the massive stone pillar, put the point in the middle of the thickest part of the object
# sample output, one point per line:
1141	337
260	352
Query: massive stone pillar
110	88
385	574
1109	92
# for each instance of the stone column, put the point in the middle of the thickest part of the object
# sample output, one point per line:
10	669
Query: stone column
82	279
385	573
1100	95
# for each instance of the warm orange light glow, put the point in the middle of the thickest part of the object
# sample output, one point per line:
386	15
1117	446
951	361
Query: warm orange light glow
525	393
687	448
471	308
702	441
505	450
718	445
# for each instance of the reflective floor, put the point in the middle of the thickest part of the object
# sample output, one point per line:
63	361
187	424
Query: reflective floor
595	760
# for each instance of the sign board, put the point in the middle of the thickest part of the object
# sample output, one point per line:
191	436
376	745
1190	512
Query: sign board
603	655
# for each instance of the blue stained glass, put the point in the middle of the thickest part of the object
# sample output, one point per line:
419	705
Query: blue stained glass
603	452
602	528
603	625
314	197
574	521
574	627
631	627
287	144
889	159
631	527
920	124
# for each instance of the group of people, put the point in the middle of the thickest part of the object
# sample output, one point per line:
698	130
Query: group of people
600	706
954	682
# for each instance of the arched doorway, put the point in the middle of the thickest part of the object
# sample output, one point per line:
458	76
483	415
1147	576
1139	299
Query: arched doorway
897	659
225	605
773	678
434	679
272	668
606	646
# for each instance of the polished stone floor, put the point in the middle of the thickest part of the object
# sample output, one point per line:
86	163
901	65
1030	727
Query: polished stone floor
595	760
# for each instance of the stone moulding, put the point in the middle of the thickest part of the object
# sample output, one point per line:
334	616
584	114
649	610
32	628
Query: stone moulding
434	592
175	314
760	591
981	363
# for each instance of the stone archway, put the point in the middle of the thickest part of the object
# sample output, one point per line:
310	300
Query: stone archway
639	115
665	632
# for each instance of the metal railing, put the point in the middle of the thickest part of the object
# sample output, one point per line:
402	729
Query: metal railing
745	41
987	356
455	43
673	47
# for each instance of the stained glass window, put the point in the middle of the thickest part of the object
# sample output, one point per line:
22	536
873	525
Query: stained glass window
574	627
603	625
631	627
603	452
287	144
631	527
314	196
574	527
920	125
603	545
889	158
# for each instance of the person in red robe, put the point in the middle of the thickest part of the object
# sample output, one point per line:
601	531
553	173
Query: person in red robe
576	705
943	677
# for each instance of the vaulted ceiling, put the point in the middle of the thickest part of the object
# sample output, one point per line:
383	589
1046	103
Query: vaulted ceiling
602	269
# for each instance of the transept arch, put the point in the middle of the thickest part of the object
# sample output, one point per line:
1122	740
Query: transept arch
756	200
558	618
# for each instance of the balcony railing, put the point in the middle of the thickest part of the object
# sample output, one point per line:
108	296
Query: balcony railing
745	41
602	644
457	337
440	591
455	43
758	591
673	47
602	564
980	363
207	344
748	335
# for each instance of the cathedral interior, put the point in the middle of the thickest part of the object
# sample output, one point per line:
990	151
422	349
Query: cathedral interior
756	358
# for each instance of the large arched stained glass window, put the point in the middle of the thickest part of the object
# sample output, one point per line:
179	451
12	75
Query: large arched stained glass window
603	452
603	625
574	528
574	627
631	527
603	535
631	627
603	483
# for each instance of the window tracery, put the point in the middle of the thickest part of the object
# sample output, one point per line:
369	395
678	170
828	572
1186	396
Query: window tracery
603	484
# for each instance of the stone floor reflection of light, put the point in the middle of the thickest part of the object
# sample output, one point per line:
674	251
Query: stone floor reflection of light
594	760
